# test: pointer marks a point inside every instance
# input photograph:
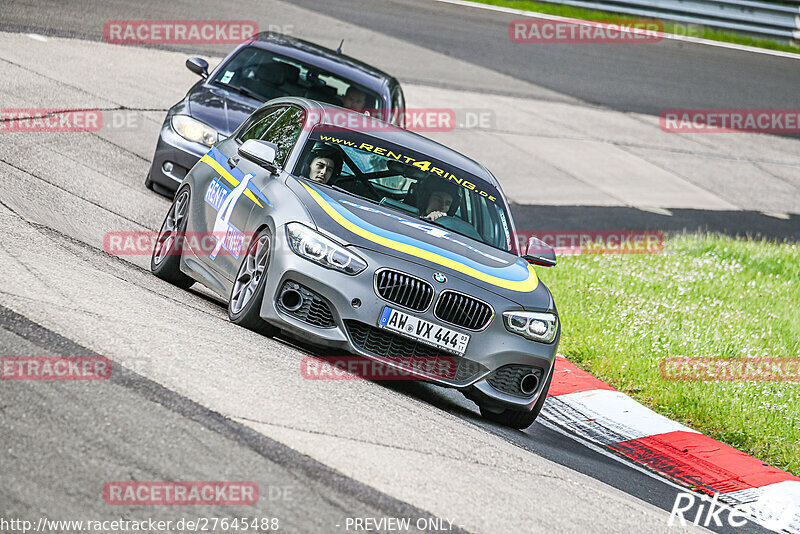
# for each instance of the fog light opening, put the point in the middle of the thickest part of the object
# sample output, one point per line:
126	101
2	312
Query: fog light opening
291	300
529	384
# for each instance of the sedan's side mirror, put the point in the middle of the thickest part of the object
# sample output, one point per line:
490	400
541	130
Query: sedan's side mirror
261	152
540	253
198	65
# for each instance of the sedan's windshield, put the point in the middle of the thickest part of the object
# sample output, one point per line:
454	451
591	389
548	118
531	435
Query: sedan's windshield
264	75
409	182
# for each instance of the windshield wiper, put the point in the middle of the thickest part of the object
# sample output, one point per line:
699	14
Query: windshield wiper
241	90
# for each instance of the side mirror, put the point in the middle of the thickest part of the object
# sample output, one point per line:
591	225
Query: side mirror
540	253
198	65
261	152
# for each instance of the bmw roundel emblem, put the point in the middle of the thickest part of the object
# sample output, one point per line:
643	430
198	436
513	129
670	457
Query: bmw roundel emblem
439	277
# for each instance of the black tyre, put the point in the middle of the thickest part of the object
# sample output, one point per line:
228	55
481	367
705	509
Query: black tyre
518	419
148	183
247	294
165	262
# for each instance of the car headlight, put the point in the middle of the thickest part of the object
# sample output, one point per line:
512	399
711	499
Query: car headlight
193	130
532	325
316	247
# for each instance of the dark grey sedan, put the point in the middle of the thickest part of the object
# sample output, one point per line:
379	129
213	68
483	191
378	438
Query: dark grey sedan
374	241
268	66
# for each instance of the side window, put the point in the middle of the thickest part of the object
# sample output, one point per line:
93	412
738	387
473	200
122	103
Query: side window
259	125
284	133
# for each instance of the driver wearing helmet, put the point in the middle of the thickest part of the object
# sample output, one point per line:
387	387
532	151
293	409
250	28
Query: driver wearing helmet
323	164
437	198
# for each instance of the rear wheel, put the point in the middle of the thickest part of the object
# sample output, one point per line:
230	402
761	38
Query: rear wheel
165	262
247	294
518	419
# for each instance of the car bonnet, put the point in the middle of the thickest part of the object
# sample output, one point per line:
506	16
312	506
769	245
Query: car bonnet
219	108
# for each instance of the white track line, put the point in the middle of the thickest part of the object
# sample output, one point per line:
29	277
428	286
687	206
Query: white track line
672	36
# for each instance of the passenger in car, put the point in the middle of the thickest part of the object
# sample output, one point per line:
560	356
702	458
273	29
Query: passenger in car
354	99
437	198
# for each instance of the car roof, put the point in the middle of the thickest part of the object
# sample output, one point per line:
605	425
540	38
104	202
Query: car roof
324	58
390	133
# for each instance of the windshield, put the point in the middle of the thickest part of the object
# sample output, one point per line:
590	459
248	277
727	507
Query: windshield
409	182
264	75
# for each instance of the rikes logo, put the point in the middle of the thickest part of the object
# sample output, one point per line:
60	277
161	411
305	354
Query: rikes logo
439	277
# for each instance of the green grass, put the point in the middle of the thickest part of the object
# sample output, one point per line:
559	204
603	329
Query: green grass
669	27
703	296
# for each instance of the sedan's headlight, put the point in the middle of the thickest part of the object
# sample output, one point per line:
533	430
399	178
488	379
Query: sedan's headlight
316	247
194	130
532	325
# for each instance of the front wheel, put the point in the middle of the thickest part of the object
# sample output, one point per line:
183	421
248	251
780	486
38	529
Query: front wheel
247	294
165	262
518	419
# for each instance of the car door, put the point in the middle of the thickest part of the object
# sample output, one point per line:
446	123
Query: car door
284	133
230	196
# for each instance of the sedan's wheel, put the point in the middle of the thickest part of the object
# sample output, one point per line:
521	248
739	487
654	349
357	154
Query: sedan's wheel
244	306
166	259
517	419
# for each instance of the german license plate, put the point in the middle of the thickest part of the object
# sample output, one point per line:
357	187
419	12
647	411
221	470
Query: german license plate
425	331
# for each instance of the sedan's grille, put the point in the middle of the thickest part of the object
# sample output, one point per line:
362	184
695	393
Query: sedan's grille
404	290
313	309
508	379
462	310
412	354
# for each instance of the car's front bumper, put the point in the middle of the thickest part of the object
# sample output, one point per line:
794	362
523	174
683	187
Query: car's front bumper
173	159
488	350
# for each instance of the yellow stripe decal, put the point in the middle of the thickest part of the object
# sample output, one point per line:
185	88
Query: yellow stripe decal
523	286
211	162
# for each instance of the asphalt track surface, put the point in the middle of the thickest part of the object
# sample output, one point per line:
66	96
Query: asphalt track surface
179	407
441	45
642	78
